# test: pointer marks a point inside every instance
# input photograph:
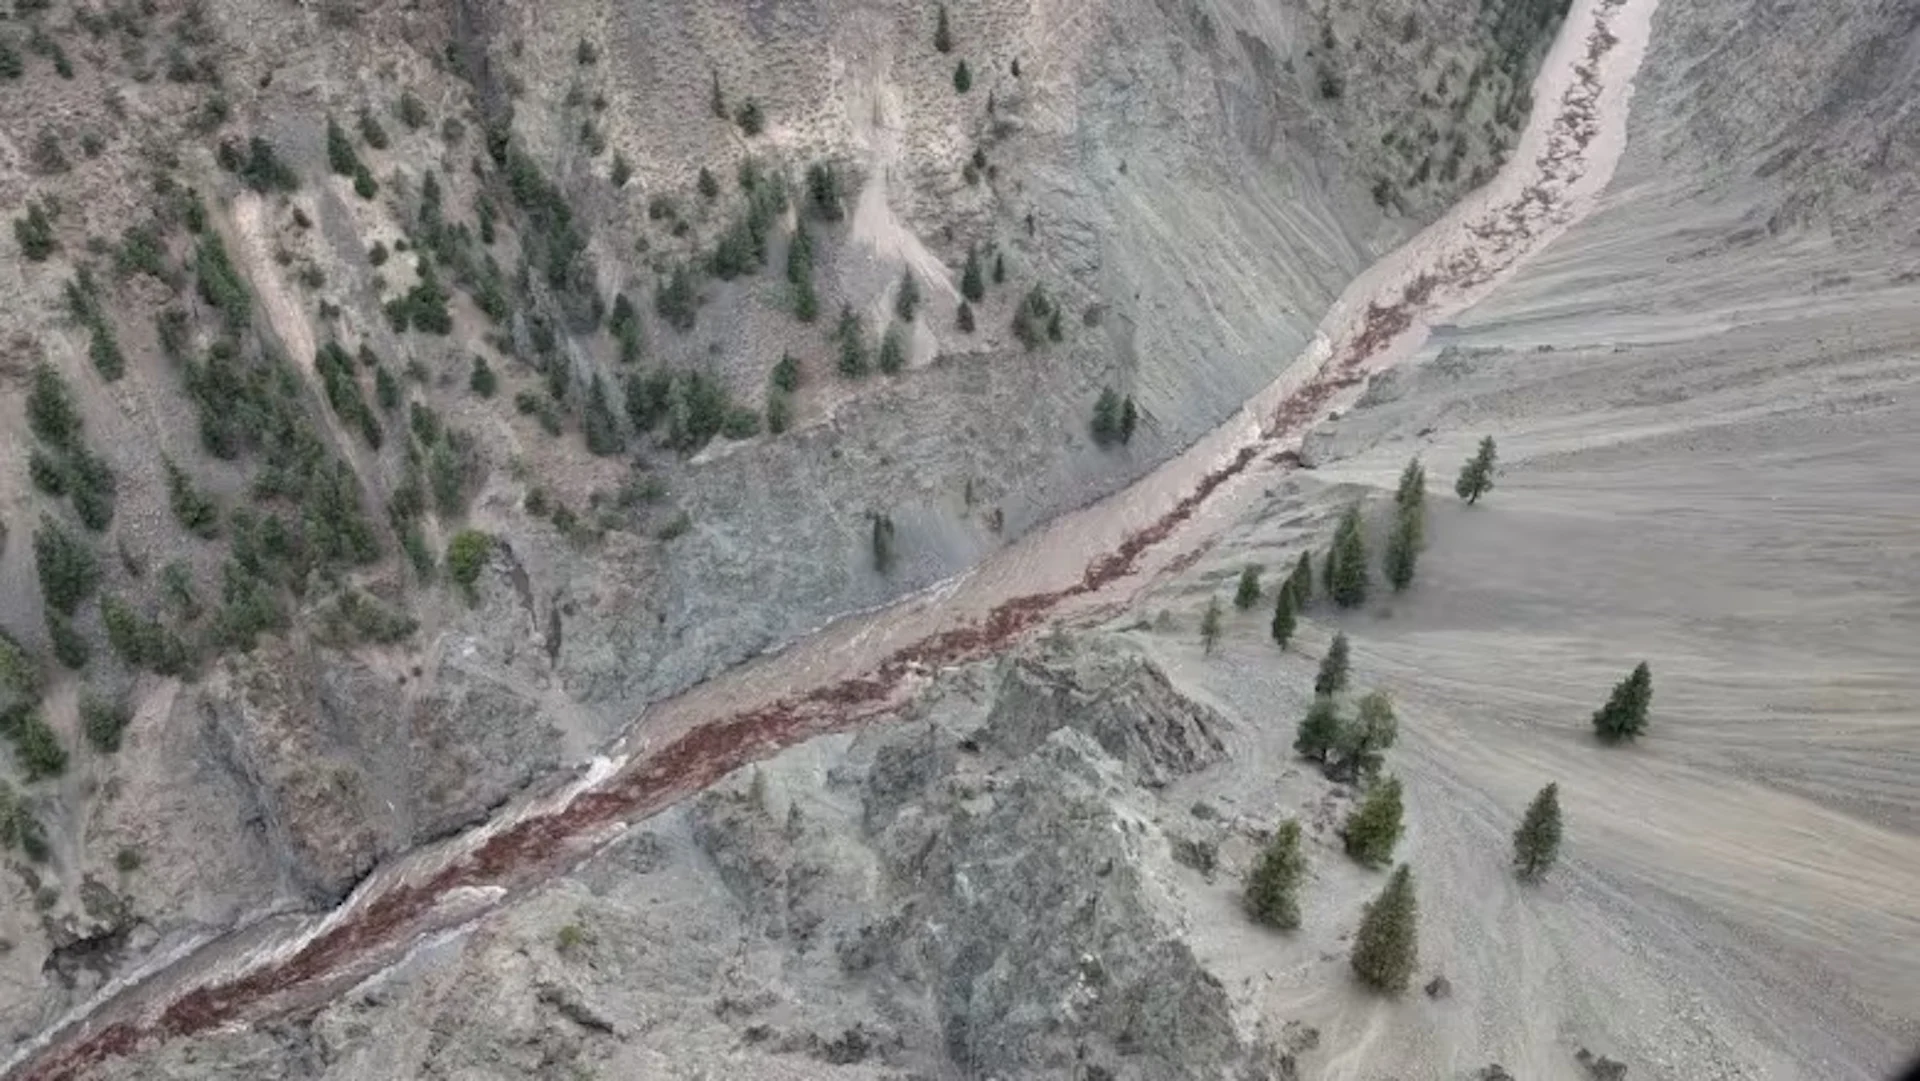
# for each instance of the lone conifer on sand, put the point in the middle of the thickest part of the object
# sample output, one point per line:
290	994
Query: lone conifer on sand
1387	947
1536	844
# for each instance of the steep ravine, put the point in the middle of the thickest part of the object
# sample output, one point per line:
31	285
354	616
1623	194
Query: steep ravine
859	667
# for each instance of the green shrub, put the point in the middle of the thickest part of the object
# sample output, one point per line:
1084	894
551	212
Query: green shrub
341	157
20	679
467	555
483	382
598	424
47	473
749	118
196	512
823	192
68	571
741	423
70	647
142	642
1032	318
50	411
962	78
371	131
103	720
93	486
34	232
893	351
677	301
36	745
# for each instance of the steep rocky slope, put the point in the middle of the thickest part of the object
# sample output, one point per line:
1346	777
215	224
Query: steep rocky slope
327	284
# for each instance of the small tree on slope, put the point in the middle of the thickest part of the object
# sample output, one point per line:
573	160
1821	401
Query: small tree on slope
1403	546
1476	477
1348	580
1272	886
1363	740
1536	844
1302	581
1248	593
1374	828
1210	624
1386	949
1333	667
1319	730
1625	714
1283	620
1413	485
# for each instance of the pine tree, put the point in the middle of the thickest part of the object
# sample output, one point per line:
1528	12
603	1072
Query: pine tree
963	319
1476	477
1374	827
972	285
1349	558
1210	624
1536	844
1283	621
1363	740
942	32
907	300
1625	714
1247	594
1386	949
962	78
893	351
1413	485
1319	730
1302	581
999	269
1129	419
1403	546
1271	887
1332	678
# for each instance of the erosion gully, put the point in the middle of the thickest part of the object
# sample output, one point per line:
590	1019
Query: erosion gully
863	667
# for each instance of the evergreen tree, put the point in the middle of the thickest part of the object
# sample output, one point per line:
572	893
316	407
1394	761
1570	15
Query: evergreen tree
942	32
963	319
893	351
1319	730
1374	827
68	571
1536	844
1476	477
1349	557
1283	621
1274	881
882	543
1386	949
1413	485
1247	593
598	424
1403	547
1129	419
999	268
1302	581
972	285
50	410
1625	714
962	78
341	157
1332	678
1210	624
1106	417
853	345
907	300
1363	740
483	382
